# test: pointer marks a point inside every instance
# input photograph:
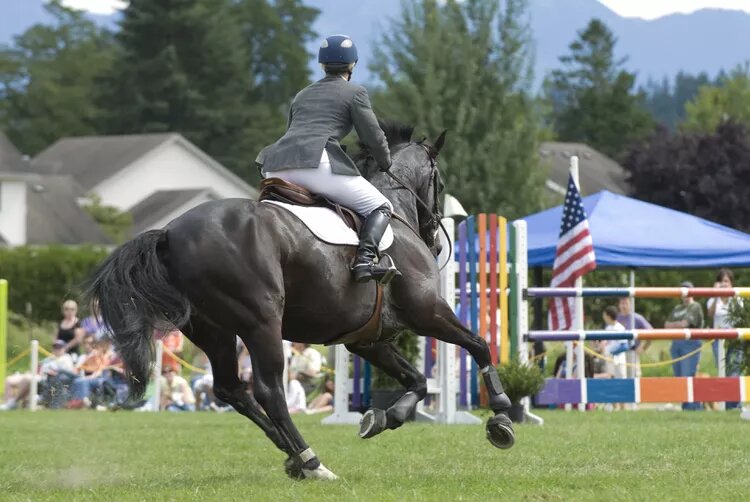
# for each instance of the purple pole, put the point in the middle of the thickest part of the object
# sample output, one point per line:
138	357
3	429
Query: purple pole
463	306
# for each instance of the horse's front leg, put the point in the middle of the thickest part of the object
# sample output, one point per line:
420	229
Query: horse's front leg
445	326
386	357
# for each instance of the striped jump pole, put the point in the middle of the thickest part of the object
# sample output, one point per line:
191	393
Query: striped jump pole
639	334
637	292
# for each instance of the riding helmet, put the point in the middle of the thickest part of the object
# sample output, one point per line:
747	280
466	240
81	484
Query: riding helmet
337	50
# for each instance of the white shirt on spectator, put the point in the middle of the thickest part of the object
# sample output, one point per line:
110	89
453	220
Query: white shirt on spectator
295	398
54	364
307	363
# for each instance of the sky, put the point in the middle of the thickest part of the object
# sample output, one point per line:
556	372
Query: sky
651	9
646	9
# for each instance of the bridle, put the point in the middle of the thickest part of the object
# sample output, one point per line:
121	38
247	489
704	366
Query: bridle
435	220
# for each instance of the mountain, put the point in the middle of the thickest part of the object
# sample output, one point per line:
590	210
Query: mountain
707	40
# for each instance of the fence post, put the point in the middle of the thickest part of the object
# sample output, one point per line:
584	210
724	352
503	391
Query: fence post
3	333
34	365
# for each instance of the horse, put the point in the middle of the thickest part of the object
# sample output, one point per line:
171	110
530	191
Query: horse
239	267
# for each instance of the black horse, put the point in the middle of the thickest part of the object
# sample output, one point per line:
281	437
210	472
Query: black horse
253	269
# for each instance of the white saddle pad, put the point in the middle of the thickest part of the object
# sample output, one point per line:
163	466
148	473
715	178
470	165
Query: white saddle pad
328	226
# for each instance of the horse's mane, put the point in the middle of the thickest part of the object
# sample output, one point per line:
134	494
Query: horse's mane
396	133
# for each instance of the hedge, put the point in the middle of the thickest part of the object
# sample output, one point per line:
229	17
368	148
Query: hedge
43	277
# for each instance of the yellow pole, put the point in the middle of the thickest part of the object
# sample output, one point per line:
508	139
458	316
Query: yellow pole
502	224
3	333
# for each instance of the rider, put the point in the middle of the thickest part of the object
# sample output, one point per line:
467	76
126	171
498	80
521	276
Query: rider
309	153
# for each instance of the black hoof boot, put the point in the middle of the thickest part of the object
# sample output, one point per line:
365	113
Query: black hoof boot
373	423
500	431
293	467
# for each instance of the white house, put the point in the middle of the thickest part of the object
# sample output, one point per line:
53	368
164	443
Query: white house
597	171
156	177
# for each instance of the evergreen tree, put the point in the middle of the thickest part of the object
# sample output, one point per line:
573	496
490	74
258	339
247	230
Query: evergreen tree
465	67
592	96
181	66
715	105
48	77
666	100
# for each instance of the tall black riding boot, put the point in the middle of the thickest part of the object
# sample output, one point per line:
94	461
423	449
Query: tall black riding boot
365	267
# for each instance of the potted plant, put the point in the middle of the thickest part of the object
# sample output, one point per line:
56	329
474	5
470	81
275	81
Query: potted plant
519	380
385	390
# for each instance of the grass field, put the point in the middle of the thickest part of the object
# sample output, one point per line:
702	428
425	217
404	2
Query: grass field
644	455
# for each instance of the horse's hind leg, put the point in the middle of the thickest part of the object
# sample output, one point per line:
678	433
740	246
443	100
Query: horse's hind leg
267	353
445	326
222	353
386	357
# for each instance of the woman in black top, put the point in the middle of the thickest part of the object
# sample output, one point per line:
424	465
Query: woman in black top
69	330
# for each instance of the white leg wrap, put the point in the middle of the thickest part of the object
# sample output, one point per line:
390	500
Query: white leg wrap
320	473
306	455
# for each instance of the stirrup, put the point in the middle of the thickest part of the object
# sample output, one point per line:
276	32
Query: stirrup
390	270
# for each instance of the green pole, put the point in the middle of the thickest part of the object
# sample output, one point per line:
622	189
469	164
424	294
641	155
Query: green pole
3	333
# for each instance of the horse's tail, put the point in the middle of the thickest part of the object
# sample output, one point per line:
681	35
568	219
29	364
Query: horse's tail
131	290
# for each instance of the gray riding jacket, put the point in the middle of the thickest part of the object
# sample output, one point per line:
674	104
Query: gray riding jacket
321	115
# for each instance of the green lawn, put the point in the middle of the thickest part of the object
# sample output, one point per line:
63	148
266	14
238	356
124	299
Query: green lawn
645	455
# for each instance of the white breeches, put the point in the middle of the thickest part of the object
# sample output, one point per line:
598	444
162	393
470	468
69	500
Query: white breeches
353	192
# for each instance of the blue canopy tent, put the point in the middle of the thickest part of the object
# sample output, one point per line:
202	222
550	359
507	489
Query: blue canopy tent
631	233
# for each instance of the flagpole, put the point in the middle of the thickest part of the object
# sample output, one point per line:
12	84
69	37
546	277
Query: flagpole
578	322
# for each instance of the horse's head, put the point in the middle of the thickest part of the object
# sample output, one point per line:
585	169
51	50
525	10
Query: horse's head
416	184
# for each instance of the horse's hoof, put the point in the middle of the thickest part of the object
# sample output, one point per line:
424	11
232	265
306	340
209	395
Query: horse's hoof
500	432
293	468
373	423
320	473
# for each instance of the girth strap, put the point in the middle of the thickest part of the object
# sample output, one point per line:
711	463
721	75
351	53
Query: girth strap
370	332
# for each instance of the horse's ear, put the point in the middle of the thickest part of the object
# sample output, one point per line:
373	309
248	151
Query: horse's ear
440	141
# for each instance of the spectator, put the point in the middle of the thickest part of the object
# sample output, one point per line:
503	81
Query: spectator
640	322
718	310
305	363
616	349
323	402
94	325
176	394
599	365
296	397
688	314
90	370
173	342
69	329
58	373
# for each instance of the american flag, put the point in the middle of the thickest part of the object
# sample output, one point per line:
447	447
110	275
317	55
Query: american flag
574	257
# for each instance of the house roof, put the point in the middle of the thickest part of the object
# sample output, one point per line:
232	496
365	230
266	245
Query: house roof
597	172
53	215
94	159
160	204
10	158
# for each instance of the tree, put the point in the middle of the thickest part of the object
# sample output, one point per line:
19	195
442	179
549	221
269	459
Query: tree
116	224
48	77
666	100
465	67
180	66
592	96
221	72
705	174
715	105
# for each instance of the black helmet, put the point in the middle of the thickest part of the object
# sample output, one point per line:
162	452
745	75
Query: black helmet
337	51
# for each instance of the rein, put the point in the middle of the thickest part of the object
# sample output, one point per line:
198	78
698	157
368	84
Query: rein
424	205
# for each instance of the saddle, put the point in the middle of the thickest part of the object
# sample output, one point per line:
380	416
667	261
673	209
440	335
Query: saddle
289	193
280	190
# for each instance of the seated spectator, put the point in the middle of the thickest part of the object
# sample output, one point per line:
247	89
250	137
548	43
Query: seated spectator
306	363
245	365
58	373
69	329
94	326
560	369
296	400
599	365
90	370
323	402
173	343
176	394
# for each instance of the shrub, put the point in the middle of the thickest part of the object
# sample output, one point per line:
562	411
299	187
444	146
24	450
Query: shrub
41	278
520	380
